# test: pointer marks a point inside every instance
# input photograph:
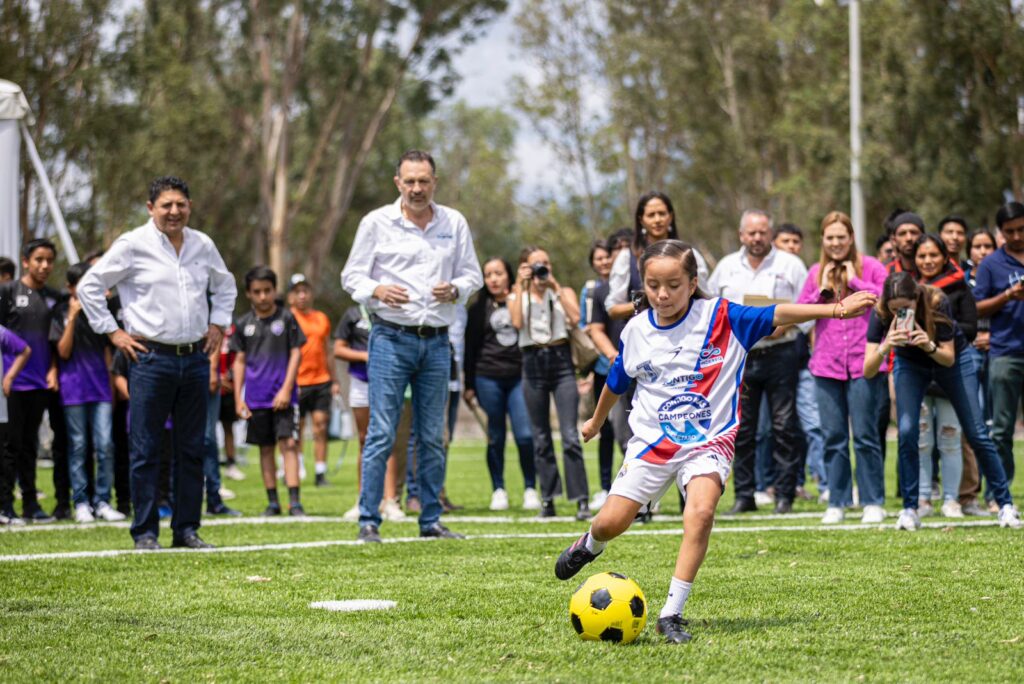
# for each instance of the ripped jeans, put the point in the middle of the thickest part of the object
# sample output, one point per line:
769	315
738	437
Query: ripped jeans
940	427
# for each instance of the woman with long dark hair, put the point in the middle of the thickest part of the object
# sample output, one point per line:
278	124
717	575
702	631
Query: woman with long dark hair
544	313
916	322
494	375
845	396
654	220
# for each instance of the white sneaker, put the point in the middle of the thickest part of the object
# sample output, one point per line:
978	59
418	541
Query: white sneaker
873	514
531	501
823	497
233	472
925	509
764	499
107	512
833	515
226	494
1008	517
352	514
390	510
908	520
499	500
951	509
598	500
83	514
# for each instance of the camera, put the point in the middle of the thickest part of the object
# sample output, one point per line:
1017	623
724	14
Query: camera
540	271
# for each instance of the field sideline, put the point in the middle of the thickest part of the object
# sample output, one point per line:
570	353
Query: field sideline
778	599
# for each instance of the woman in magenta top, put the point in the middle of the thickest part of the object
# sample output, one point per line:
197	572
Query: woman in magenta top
845	396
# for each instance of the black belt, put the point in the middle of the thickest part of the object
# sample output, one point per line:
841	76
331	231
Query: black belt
780	346
544	347
173	349
423	331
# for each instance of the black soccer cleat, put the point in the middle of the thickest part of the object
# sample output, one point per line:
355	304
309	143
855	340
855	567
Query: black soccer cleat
574	558
671	627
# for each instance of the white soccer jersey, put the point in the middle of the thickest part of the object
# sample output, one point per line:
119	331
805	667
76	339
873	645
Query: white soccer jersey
688	376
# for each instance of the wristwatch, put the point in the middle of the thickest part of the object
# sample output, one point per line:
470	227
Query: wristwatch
455	293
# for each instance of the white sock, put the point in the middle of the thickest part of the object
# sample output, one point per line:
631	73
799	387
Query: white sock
678	592
321	468
593	546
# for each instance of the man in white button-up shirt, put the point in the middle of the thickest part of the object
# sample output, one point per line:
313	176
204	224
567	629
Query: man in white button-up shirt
177	297
411	264
759	270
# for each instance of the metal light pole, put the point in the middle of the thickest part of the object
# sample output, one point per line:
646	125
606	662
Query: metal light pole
856	192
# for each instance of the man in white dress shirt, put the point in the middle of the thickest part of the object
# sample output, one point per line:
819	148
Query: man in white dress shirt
411	262
757	271
177	297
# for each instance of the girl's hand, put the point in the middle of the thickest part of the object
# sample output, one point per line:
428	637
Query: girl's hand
590	429
525	273
919	338
858	303
851	272
826	274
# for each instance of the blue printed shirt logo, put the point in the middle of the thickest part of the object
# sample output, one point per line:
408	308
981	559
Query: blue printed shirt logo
685	418
645	372
711	355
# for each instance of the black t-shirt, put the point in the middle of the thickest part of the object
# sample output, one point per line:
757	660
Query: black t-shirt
267	344
944	332
27	313
499	354
612	327
355	330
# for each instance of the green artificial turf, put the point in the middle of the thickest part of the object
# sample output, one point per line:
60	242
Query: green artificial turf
943	604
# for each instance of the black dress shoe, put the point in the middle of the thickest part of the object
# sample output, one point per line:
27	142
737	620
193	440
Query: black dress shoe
147	544
583	511
441	532
223	510
547	509
192	541
369	534
37	515
782	507
742	506
62	512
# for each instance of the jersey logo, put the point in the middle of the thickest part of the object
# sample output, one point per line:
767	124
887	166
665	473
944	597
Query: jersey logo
645	372
711	355
249	330
685	418
21	301
277	327
685	379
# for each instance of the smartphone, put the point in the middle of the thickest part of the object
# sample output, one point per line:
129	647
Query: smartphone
905	319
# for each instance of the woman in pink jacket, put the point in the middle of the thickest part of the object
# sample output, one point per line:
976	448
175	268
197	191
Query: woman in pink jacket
845	396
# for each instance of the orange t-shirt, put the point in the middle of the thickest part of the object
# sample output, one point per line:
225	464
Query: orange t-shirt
317	329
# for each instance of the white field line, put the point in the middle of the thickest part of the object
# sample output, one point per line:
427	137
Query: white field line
307	519
14	558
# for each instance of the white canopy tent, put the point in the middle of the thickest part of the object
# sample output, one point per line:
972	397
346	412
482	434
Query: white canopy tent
14	112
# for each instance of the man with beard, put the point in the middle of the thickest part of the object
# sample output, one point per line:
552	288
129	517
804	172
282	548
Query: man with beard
760	273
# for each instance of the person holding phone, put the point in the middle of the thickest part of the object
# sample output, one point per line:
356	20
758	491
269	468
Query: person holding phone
939	424
846	397
929	352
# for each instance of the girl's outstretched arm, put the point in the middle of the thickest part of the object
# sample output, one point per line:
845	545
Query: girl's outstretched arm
854	305
604	405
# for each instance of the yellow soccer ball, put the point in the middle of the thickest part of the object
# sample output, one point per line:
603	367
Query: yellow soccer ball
608	607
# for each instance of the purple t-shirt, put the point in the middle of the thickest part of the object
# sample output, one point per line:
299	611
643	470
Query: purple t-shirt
27	313
11	345
267	343
84	378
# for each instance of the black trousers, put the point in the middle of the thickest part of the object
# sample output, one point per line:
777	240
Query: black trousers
771	373
122	478
59	450
25	413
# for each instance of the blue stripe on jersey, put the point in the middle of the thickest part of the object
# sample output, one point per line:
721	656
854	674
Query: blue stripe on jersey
617	380
751	323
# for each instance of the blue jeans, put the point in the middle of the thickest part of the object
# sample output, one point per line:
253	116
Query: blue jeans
412	485
940	427
161	385
501	397
211	460
810	421
398	358
960	383
842	403
97	419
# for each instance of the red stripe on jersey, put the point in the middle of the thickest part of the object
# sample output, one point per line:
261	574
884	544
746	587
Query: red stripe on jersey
661	452
719	338
724	444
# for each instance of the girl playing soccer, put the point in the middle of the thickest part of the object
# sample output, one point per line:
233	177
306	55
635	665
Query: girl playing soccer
686	354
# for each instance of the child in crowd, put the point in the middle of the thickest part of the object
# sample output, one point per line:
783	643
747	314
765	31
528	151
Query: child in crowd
83	357
268	341
686	354
228	414
11	346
